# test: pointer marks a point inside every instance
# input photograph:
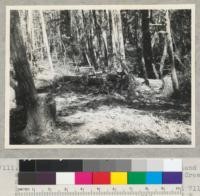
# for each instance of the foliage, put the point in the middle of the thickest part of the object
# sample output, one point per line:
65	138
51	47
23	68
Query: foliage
185	80
80	38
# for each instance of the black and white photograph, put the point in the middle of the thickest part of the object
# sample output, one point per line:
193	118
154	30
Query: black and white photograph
105	76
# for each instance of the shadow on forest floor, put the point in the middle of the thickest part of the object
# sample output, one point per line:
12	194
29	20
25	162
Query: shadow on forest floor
114	137
161	108
92	117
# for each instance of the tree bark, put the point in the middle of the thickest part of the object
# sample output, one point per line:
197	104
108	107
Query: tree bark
30	35
39	118
146	40
27	91
45	39
100	24
171	53
144	72
139	48
162	62
88	27
164	55
119	51
117	40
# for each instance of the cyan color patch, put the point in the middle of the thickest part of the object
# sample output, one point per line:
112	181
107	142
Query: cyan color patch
154	178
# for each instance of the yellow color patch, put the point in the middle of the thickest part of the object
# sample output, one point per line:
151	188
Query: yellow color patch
118	177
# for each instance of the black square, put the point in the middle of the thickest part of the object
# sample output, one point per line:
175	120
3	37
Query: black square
27	178
26	165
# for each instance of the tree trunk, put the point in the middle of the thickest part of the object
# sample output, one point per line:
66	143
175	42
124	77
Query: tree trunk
145	72
65	24
118	49
66	37
88	27
40	118
139	48
117	40
100	23
162	62
83	36
164	55
37	108
171	54
27	91
136	40
93	41
45	39
146	40
30	35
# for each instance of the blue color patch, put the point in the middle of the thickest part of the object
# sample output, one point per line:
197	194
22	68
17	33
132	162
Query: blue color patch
154	178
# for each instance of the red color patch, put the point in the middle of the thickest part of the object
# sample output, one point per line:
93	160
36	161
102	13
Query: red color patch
101	177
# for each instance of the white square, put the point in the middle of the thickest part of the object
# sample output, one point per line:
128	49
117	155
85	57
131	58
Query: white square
172	165
65	178
155	165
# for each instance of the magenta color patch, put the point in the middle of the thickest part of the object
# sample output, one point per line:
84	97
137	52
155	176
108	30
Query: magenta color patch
83	178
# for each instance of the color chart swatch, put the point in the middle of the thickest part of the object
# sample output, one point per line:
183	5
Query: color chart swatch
100	172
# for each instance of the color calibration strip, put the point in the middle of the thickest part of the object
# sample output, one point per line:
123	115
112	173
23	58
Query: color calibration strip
100	172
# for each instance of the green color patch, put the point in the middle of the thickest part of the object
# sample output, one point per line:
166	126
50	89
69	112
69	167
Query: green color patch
136	177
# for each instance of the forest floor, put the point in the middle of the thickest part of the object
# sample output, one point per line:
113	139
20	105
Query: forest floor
84	115
103	119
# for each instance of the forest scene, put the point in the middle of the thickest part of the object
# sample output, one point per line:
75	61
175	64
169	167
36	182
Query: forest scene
105	77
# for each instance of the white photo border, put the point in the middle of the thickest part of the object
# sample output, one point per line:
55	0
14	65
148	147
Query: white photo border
7	144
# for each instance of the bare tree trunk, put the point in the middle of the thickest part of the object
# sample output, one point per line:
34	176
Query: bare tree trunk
104	31
40	119
100	23
145	72
94	49
83	36
105	44
162	62
164	55
117	39
137	39
30	34
66	37
88	27
44	33
171	53
146	39
27	91
155	71
114	34
32	30
118	44
139	46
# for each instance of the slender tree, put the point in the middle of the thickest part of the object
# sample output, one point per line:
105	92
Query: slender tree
119	51
30	35
171	53
146	40
139	46
163	58
81	35
117	39
100	30
45	39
